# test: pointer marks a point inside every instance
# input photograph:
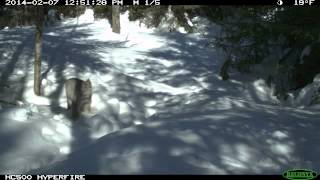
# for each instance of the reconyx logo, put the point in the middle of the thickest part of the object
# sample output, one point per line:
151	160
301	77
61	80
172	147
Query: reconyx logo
301	174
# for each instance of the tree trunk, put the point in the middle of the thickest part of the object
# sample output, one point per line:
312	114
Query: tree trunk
38	48
224	70
116	19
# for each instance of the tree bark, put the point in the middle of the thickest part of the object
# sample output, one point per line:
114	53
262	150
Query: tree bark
38	48
116	19
224	70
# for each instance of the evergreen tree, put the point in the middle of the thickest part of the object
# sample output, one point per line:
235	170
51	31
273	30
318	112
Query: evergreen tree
251	34
103	12
17	16
175	16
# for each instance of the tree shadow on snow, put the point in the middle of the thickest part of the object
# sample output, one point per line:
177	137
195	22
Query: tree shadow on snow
216	130
211	131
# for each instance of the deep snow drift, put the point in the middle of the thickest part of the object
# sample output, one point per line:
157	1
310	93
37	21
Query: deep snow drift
159	107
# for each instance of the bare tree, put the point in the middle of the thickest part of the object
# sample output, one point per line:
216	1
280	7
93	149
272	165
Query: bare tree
116	19
39	18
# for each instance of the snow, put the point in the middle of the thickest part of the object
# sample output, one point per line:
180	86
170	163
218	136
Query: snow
158	104
307	95
87	17
305	52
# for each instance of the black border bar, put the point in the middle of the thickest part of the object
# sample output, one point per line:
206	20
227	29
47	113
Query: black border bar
162	2
89	177
141	177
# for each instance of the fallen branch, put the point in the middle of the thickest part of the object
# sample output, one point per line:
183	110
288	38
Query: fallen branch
17	103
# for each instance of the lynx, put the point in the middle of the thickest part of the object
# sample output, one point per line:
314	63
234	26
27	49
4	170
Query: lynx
79	94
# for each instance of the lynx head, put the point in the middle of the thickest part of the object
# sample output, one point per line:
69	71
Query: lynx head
87	84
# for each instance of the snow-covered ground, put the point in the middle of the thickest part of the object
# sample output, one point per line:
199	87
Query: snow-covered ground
158	107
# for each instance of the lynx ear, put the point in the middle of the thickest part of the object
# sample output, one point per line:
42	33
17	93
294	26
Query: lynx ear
88	82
